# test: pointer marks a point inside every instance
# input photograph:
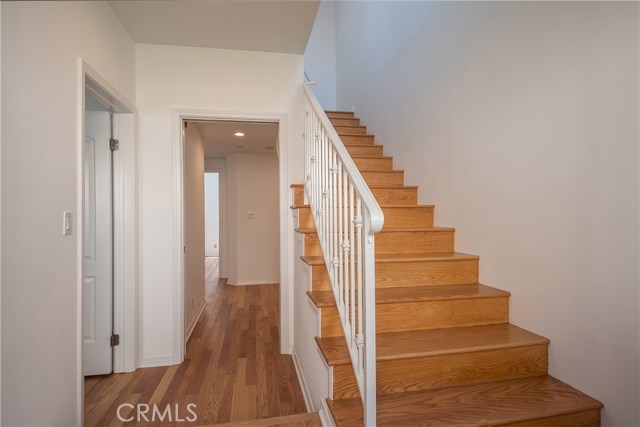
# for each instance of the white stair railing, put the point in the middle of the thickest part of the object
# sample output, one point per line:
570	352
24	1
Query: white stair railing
347	216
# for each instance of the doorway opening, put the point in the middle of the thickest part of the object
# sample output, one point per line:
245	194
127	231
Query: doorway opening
106	237
241	158
211	229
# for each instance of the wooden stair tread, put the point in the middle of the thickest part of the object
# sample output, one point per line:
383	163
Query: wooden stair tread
433	342
479	405
417	293
311	419
382	258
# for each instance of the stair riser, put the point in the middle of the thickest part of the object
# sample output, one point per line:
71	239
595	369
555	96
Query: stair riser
420	315
298	196
384	178
365	149
396	196
340	114
414	242
351	130
418	216
397	376
384	196
392	274
345	122
381	164
357	139
419	273
397	242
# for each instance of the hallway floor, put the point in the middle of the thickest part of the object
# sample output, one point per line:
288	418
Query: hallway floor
233	370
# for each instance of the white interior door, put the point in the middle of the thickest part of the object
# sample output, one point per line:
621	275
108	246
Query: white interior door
97	296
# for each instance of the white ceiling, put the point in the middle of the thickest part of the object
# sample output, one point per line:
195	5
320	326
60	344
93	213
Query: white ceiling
261	25
219	138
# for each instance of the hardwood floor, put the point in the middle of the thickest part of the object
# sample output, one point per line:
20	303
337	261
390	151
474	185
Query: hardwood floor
233	370
211	273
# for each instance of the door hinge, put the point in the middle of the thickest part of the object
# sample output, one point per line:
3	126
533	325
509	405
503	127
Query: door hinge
115	340
114	144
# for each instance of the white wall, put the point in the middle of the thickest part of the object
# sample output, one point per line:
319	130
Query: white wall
194	295
320	55
212	214
222	81
41	43
220	166
254	256
520	121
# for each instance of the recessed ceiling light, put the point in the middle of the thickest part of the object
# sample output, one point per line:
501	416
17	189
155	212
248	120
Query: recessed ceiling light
239	134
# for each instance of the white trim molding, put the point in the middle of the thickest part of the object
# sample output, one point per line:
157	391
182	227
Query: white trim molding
156	361
125	308
268	282
195	320
325	415
178	115
303	383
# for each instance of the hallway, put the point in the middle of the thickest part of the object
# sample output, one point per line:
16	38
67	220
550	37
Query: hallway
233	370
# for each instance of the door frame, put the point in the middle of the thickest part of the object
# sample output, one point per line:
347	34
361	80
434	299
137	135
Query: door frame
178	116
125	244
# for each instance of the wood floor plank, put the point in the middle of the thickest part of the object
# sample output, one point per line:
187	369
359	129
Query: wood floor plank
233	368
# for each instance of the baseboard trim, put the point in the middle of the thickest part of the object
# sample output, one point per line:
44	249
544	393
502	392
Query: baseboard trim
325	415
303	383
194	322
271	282
153	362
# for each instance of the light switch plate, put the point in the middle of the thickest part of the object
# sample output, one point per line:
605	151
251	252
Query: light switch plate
251	215
66	223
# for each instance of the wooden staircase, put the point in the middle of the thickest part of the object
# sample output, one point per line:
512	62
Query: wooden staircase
446	352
